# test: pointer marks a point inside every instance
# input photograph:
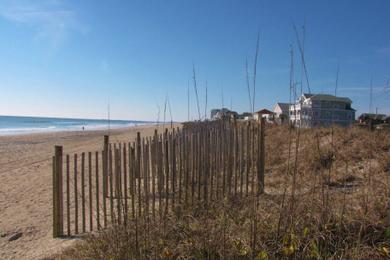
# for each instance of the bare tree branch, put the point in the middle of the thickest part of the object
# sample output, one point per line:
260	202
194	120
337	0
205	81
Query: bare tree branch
196	91
302	52
205	107
247	84
254	72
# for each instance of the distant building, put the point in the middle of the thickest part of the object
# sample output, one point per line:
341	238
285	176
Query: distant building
264	113
281	112
312	110
214	113
374	119
222	113
245	116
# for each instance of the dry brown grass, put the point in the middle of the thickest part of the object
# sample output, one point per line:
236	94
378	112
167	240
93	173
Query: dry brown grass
340	209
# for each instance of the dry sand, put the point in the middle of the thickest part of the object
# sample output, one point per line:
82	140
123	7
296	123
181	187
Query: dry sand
26	187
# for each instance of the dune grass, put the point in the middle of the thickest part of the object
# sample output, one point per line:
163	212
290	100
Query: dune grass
329	201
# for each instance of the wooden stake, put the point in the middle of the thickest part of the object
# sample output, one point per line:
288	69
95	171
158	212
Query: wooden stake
111	185
105	167
97	193
138	172
76	207
117	184
83	192
261	167
166	156
90	190
67	196
125	184
132	178
173	164
58	224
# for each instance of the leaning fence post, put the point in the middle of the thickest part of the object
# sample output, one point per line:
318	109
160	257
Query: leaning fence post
58	221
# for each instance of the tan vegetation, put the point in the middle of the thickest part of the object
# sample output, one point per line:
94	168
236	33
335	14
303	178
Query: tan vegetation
327	198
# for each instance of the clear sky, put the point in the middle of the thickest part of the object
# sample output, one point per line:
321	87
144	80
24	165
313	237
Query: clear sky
70	58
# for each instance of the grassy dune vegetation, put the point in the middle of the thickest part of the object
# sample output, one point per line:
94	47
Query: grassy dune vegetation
327	196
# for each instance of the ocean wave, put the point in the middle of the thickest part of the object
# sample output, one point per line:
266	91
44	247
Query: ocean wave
14	125
58	128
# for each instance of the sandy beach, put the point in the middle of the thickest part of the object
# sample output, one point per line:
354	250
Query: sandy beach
26	187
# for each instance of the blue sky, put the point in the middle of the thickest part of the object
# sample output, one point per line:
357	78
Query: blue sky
70	58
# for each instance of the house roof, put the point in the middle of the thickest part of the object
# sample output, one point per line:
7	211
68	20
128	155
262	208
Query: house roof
264	112
283	106
327	97
306	95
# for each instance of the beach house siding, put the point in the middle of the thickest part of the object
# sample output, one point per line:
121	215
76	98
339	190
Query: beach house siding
281	109
322	110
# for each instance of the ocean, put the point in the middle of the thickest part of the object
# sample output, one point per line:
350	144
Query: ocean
14	125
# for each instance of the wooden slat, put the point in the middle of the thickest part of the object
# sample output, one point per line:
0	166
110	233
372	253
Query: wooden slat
67	196
104	184
58	229
247	161
111	184
76	206
187	152
242	145
212	162
145	176
154	168
83	192
207	165
180	152
118	194
173	164
252	158
166	165
105	168
261	166
90	191
200	163
97	193
126	210
138	172
132	179
193	166
235	158
160	176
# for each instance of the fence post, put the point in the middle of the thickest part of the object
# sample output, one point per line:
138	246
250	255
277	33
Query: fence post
261	157
58	221
105	165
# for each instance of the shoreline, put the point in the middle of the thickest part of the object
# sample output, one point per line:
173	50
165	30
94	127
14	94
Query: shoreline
12	133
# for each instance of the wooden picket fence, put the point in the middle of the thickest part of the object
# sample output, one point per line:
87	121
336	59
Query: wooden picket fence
198	163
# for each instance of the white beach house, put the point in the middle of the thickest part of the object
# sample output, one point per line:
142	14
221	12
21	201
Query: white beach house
321	110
